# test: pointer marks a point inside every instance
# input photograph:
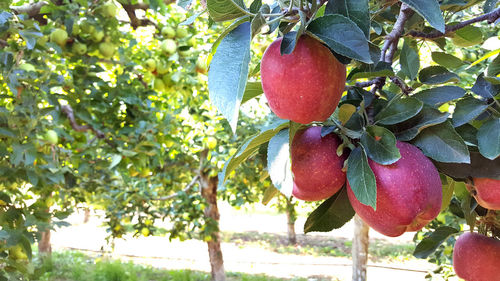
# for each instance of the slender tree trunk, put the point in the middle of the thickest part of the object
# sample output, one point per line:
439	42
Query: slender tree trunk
359	249
44	247
209	192
86	215
291	216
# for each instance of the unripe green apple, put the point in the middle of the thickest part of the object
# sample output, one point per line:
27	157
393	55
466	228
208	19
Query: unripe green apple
167	81
150	65
162	67
27	67
181	32
17	253
59	36
51	137
43	40
108	10
158	85
97	35
168	32
168	46
79	48
184	51
87	27
107	49
76	29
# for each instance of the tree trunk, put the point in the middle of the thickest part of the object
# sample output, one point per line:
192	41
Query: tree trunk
209	192
86	215
291	216
359	249
44	247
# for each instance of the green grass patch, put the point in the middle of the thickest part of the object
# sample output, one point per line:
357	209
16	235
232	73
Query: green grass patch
76	266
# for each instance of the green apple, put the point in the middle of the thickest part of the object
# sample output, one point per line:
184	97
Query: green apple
51	137
167	80
75	30
168	46
107	49
17	253
150	65
162	67
43	40
87	27
79	48
168	32
59	36
97	35
158	85
211	142
27	67
108	10
181	32
184	51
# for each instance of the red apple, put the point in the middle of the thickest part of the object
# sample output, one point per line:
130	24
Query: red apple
487	192
477	257
305	85
316	167
409	193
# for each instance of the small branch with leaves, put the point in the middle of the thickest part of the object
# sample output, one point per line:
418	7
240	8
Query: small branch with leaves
186	189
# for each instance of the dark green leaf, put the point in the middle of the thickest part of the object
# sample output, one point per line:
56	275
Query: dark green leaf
380	145
399	110
228	73
494	67
467	36
489	5
439	95
447	60
468	133
480	167
356	10
467	109
488	138
252	90
288	43
223	10
442	143
381	69
427	117
361	178
279	164
448	189
257	23
250	147
410	61
255	6
331	214
430	243
429	9
437	75
484	88
342	36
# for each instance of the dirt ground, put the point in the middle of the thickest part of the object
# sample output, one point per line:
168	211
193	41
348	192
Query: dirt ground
252	259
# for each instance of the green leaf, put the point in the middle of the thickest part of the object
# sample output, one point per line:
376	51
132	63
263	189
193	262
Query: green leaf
7	133
342	36
467	109
430	243
223	10
356	10
410	61
228	73
427	117
279	164
331	214
437	75
439	95
252	90
399	110
442	143
345	112
448	189
226	31
361	178
381	69
489	5
269	194
447	60
467	36
380	145
259	21
429	10
494	67
115	160
468	133
488	138
250	147
479	167
484	88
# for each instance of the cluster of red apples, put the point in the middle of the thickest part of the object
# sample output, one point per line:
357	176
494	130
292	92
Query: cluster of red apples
306	86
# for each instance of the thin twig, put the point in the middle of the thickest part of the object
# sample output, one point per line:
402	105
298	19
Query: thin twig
186	189
68	111
134	21
491	17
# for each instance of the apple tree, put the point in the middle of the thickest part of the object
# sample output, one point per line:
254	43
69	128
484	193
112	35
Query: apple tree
385	109
105	103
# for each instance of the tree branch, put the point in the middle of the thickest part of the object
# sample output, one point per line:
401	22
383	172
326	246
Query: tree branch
186	189
32	9
134	21
491	17
68	111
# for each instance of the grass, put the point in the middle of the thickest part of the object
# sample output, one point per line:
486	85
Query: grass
76	266
379	250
